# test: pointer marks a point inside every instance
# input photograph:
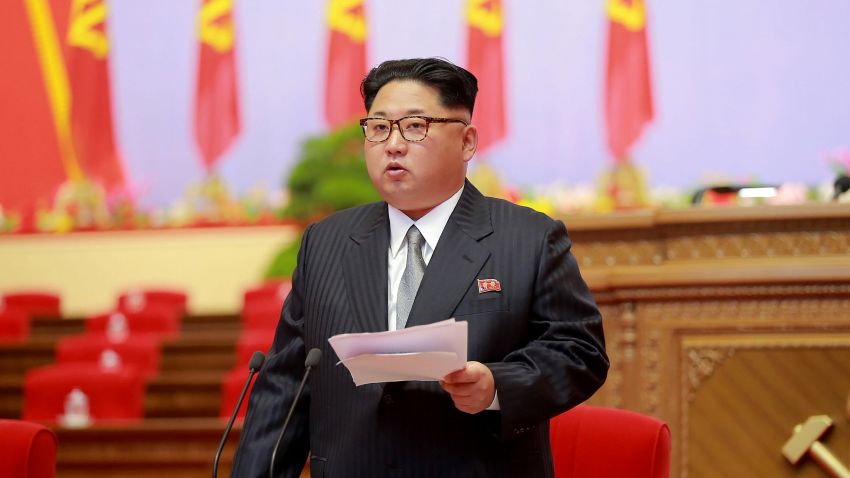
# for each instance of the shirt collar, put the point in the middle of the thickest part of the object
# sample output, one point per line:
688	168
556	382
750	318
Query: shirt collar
431	225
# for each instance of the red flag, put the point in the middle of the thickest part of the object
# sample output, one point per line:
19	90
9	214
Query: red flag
628	89
31	165
346	61
216	99
485	61
87	59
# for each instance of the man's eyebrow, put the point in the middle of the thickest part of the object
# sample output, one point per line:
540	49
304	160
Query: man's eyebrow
412	111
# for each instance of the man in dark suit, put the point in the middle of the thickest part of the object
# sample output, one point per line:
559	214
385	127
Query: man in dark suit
435	249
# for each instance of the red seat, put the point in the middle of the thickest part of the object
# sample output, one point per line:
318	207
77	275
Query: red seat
114	395
33	303
252	341
14	326
161	322
231	387
270	295
608	442
28	450
261	319
140	351
141	299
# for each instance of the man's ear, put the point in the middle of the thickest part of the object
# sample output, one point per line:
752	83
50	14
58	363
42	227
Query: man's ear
470	142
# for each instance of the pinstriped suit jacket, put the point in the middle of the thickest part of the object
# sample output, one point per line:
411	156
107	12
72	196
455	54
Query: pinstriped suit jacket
541	336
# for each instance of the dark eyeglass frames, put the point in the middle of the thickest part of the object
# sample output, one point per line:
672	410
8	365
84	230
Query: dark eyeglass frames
412	128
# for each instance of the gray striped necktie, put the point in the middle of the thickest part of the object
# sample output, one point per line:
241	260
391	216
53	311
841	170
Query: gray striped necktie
413	272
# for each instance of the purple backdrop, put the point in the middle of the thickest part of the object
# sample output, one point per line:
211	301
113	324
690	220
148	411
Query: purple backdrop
744	89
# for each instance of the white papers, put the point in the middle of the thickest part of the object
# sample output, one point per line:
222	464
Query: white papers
425	352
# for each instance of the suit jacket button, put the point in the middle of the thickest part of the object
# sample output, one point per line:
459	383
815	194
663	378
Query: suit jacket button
388	399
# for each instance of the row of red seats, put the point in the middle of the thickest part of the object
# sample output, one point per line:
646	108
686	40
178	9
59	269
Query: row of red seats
144	309
157	310
147	320
106	368
118	393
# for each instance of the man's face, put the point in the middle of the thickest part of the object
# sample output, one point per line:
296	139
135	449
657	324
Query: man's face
417	176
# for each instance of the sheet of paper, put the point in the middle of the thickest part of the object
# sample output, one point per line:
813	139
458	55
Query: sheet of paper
423	366
425	352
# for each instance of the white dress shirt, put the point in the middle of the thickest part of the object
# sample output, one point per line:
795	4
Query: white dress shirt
431	226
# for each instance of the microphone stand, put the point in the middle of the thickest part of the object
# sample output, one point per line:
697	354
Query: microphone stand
253	367
313	358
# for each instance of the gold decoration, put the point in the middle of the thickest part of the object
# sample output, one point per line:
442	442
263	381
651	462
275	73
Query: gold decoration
487	180
804	442
628	337
622	187
614	382
702	364
79	204
651	396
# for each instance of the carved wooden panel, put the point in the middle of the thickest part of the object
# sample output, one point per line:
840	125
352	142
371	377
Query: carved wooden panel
672	369
757	244
619	252
744	395
655	237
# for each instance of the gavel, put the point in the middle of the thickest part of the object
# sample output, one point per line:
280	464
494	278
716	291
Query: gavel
805	441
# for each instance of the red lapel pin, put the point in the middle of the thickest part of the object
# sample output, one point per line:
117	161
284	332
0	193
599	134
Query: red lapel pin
489	285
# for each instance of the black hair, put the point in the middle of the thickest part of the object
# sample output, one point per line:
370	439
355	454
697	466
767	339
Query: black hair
456	85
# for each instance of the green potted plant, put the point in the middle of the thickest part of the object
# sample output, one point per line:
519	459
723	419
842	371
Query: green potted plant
329	176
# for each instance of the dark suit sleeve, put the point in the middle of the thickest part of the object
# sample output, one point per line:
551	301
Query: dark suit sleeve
564	361
274	391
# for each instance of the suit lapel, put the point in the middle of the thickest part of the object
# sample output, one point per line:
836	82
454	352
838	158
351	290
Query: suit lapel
365	269
456	261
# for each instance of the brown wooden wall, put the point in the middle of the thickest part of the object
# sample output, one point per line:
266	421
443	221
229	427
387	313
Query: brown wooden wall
733	325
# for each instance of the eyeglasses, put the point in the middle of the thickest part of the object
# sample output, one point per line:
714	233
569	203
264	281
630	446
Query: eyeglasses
412	128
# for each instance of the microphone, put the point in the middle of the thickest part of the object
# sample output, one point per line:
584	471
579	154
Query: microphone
841	185
313	357
253	367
